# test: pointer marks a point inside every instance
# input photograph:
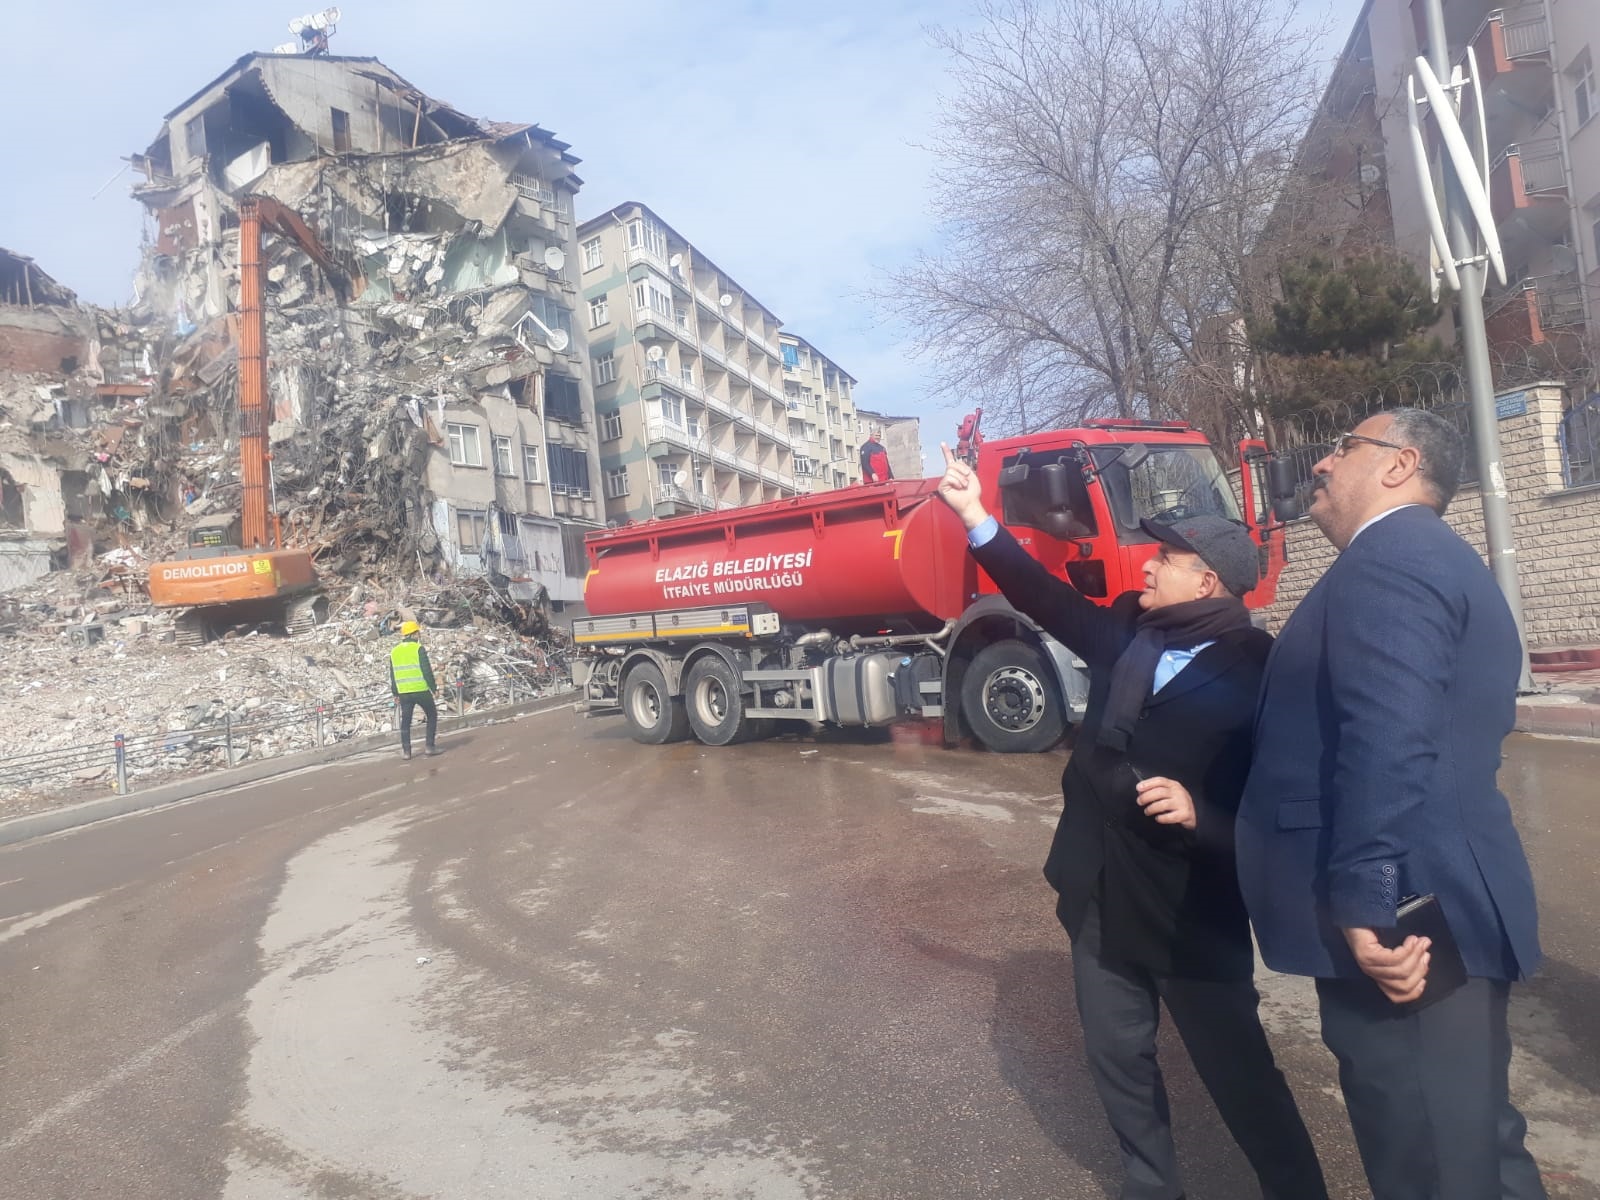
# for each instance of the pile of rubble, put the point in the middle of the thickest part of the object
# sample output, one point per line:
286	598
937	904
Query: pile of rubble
87	661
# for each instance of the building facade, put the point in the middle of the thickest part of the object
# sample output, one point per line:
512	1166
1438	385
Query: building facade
823	424
687	373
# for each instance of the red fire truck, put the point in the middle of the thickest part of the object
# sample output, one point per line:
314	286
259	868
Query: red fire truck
862	607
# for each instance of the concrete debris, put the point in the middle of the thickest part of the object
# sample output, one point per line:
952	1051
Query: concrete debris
174	703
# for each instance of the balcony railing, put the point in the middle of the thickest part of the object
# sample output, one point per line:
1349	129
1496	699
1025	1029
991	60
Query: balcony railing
673	380
1560	301
1509	37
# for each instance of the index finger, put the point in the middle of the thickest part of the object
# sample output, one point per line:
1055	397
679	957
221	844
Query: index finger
949	456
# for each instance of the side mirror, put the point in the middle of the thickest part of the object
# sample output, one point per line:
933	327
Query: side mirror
1134	456
1282	481
1014	476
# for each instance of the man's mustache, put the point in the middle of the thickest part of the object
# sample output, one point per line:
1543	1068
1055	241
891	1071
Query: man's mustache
1319	483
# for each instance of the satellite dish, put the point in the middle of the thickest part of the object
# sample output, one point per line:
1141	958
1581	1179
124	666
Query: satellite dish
725	300
675	261
1563	260
680	478
555	258
556	339
287	48
654	354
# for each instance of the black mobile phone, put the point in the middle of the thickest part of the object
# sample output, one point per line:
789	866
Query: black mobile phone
1423	916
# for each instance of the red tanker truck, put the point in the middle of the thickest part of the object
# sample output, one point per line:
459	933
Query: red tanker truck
861	607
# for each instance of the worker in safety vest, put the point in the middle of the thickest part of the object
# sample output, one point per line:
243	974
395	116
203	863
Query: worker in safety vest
411	682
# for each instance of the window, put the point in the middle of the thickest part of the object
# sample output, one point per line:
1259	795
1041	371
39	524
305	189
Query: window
599	312
791	356
530	464
605	368
645	234
562	401
1584	97
502	456
617	483
611	427
557	316
569	470
672	409
655	294
194	137
686	373
471	526
341	130
464	448
593	255
667	474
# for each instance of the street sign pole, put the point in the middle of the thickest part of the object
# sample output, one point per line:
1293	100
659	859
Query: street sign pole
1473	269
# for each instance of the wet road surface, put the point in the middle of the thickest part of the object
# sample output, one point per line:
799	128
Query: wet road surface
552	963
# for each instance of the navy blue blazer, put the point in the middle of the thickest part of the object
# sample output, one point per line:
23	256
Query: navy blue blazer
1377	743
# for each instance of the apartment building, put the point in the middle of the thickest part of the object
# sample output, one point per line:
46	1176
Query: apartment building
687	373
823	423
1537	62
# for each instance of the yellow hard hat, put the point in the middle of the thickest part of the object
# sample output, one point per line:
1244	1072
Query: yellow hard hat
409	627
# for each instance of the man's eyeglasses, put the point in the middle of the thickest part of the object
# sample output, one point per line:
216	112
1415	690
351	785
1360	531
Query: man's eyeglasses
1342	444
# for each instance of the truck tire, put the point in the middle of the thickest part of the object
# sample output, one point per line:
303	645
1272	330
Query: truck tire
1011	699
653	714
715	704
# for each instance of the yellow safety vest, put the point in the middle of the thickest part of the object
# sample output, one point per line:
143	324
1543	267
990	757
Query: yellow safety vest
406	660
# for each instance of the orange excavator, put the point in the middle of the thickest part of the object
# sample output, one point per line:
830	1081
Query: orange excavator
223	580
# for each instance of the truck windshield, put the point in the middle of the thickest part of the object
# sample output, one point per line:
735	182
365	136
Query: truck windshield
1174	483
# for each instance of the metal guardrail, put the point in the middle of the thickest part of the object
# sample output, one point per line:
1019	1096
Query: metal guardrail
231	741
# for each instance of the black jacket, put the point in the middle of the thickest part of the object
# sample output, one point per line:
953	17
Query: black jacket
1169	898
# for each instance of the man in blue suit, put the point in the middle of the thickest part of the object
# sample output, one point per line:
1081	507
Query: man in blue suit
1378	736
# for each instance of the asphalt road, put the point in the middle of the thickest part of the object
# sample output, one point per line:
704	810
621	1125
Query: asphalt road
551	963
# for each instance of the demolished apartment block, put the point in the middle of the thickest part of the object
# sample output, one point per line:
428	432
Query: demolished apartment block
68	399
433	409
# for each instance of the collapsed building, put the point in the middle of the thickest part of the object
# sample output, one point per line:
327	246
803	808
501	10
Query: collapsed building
430	409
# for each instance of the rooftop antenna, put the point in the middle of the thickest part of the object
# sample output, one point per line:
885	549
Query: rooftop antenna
313	30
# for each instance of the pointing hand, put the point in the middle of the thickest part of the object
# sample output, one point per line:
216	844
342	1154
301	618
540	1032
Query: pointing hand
959	489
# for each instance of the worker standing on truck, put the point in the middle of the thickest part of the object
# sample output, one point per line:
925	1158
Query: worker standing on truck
874	460
1143	857
411	683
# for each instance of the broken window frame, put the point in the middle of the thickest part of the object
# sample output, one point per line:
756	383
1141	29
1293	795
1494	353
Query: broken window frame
605	368
465	451
617	485
339	124
500	448
594	253
563	399
556	316
599	312
472	529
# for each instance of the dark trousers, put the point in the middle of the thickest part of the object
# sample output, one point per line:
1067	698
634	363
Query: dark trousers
1120	1007
415	700
1428	1094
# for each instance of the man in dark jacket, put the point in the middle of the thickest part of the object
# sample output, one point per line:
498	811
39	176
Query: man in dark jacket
874	460
1384	706
1143	855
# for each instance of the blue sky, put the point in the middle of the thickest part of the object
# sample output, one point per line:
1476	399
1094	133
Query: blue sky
788	141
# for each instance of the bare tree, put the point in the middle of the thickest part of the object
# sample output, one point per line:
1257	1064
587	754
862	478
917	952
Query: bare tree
1106	164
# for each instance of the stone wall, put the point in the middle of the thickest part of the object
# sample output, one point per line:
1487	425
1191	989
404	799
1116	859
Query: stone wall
1557	530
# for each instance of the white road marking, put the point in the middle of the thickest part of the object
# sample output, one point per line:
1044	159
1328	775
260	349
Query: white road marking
127	1070
21	926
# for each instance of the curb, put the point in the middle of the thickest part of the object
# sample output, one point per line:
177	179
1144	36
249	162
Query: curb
35	825
1578	719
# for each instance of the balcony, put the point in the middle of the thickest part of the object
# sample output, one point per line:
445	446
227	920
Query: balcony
1530	179
1511	39
638	255
1542	310
670	379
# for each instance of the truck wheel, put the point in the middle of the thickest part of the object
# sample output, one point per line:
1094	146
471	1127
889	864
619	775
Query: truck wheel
654	715
1011	699
716	705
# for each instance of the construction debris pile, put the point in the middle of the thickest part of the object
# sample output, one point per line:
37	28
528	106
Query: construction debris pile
86	665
